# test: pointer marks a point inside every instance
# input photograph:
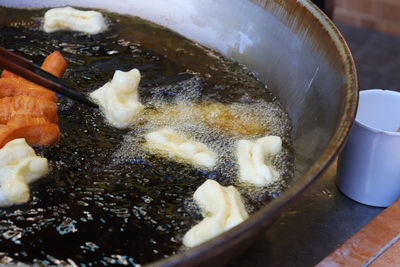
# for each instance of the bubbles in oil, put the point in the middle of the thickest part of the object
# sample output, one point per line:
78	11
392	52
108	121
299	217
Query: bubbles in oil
182	111
107	200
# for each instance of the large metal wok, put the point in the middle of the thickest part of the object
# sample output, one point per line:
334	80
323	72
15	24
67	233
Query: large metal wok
296	50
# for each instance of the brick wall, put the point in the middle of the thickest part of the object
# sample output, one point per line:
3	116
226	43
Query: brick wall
383	15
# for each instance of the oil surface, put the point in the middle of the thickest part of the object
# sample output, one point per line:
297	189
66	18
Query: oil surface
107	200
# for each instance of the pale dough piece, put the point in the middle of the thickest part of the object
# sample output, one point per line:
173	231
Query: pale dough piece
174	144
222	208
119	98
251	156
19	166
68	18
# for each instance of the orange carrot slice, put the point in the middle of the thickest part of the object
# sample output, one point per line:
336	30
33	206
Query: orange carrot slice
36	131
27	105
55	64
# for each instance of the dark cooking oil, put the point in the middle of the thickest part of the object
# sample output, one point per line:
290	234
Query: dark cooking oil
106	200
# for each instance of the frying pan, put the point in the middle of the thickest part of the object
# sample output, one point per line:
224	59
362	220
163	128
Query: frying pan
297	51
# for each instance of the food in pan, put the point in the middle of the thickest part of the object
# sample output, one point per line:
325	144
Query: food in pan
119	99
53	63
231	120
28	110
68	18
27	105
19	166
222	208
36	130
108	199
14	85
254	160
171	143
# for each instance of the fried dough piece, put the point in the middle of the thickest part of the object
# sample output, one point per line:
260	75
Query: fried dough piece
119	98
16	86
19	166
28	110
71	19
233	120
13	85
254	166
55	64
223	209
175	144
8	74
35	130
27	105
225	118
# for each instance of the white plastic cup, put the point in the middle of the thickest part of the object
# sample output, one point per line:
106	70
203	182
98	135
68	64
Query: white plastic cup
369	166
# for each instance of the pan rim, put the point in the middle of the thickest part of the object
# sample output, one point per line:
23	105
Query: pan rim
266	215
269	212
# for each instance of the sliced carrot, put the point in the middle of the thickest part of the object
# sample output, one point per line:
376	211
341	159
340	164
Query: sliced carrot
55	64
27	105
20	86
36	131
